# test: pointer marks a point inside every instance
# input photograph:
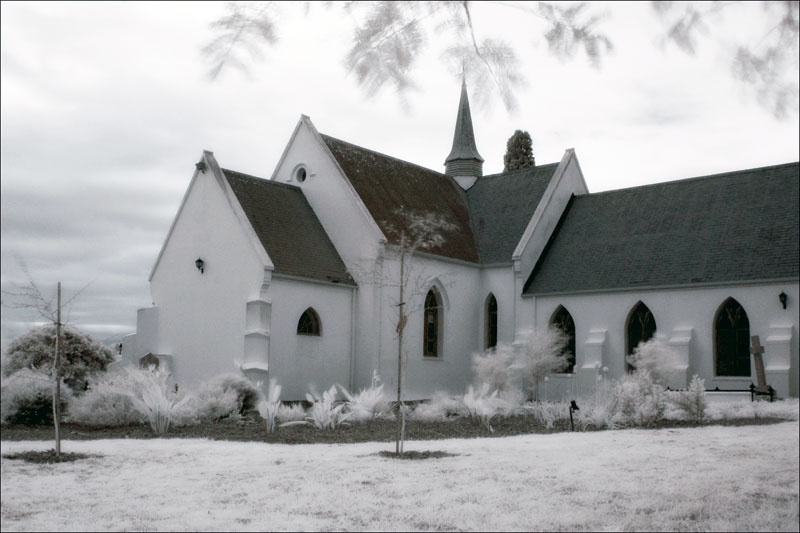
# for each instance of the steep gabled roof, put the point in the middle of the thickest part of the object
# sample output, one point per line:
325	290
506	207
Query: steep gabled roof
386	184
732	227
288	229
501	206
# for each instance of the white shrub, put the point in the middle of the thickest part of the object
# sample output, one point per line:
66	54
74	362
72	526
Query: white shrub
497	367
481	406
548	413
691	402
439	408
369	404
108	402
597	410
541	353
291	413
27	398
654	357
268	407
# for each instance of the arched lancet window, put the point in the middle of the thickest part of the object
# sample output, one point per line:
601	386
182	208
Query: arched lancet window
309	323
563	321
732	340
641	327
491	321
432	334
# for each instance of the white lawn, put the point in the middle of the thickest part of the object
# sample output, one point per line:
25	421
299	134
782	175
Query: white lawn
711	479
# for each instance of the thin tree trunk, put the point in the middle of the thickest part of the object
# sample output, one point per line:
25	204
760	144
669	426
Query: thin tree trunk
401	327
56	369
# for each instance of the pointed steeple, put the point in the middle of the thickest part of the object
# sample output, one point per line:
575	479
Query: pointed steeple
464	163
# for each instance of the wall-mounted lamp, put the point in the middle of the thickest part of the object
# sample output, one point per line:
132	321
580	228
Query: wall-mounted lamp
201	166
782	297
200	264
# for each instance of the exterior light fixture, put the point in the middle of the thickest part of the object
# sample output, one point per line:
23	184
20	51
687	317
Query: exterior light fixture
200	264
782	297
201	166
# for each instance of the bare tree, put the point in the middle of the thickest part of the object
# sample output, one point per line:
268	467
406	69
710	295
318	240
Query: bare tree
414	232
29	296
388	37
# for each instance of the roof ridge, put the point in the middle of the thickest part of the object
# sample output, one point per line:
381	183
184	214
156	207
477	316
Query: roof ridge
265	180
518	171
442	174
685	180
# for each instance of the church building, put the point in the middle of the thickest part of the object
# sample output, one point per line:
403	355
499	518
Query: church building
295	277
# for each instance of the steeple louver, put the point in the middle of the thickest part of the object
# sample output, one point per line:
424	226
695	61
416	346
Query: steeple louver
464	163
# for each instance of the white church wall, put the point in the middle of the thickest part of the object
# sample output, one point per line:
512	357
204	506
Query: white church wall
459	287
500	282
202	315
350	228
684	318
298	361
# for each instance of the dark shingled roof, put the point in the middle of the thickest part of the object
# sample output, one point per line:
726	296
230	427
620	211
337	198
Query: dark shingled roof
386	184
288	228
733	227
501	206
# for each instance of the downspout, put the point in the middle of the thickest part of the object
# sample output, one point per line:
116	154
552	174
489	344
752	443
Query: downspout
353	314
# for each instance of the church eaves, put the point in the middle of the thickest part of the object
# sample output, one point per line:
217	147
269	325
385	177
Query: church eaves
464	159
735	227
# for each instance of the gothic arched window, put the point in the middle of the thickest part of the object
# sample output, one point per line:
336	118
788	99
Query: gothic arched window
732	340
432	325
309	323
640	328
491	321
563	321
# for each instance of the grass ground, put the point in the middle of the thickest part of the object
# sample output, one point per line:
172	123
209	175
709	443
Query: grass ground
711	478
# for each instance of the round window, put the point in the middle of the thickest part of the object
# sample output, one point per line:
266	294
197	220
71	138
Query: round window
300	174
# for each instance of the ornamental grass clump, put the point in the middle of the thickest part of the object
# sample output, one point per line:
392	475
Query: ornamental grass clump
155	399
481	406
324	412
369	404
268	407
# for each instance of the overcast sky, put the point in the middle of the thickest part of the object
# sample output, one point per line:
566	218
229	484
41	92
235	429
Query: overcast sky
107	106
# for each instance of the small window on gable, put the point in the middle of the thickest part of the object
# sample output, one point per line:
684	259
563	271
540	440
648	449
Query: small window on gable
301	174
309	323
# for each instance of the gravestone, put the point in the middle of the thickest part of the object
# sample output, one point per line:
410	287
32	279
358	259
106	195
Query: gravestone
762	388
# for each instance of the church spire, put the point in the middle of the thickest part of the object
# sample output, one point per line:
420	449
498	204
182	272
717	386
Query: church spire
464	163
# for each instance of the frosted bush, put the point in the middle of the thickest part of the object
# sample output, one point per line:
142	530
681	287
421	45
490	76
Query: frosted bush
247	395
291	413
692	402
108	402
654	357
268	407
155	398
539	354
369	404
548	413
597	410
439	408
510	401
481	405
496	367
26	397
208	404
640	400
